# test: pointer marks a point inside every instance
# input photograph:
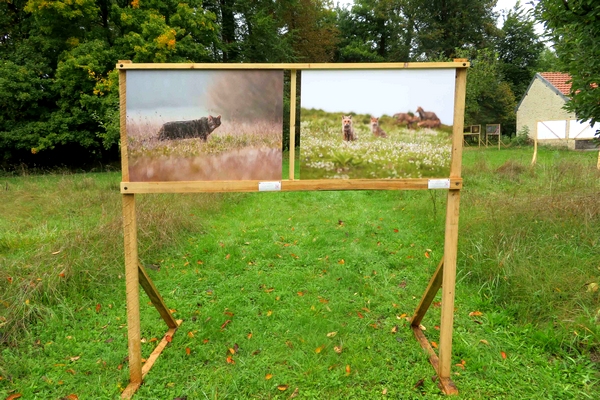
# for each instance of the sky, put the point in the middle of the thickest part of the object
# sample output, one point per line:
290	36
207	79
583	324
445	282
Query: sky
378	92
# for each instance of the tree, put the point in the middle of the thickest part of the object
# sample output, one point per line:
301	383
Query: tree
575	29
375	31
443	26
58	84
489	99
548	61
519	49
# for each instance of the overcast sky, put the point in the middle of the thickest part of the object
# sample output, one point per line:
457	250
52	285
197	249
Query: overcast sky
378	92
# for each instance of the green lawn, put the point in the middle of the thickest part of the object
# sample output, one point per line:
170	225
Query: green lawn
316	286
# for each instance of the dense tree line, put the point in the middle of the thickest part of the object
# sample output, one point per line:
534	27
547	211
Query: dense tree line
59	86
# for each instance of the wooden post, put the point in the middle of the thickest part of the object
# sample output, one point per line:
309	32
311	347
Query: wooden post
292	123
131	255
451	236
133	293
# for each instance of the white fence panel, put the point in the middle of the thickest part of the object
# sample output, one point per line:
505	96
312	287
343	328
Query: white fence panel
552	130
580	130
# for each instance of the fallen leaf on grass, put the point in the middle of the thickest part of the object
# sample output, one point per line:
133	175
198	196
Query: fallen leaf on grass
168	338
300	293
338	349
56	252
341	261
331	334
484	341
319	349
72	396
249	336
282	387
384	391
419	383
268	376
401	316
230	360
426	254
225	324
98	307
434	345
348	369
359	314
503	354
71	371
75	358
294	394
395	329
188	351
475	314
190	334
14	396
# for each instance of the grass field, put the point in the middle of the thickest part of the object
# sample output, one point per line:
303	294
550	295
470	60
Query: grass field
315	286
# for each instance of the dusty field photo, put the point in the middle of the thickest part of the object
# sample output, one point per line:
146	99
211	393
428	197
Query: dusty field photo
204	125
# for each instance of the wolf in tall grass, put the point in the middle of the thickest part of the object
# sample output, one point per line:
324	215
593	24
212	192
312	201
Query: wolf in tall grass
376	129
195	128
348	128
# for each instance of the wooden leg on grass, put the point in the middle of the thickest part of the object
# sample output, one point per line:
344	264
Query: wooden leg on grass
449	284
132	294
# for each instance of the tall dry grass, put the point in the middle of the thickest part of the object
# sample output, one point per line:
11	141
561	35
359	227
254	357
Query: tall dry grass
61	236
530	236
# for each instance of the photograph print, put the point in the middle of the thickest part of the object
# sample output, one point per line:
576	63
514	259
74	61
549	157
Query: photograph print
376	124
204	125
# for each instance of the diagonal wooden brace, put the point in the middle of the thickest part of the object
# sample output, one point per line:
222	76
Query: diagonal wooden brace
434	285
155	297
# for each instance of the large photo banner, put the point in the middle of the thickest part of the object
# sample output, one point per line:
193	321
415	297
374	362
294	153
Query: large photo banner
376	124
204	125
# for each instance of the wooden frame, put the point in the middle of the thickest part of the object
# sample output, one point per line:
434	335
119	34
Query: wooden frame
445	274
473	130
497	132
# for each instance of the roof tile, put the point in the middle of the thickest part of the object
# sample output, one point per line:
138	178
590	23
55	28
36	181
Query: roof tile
559	81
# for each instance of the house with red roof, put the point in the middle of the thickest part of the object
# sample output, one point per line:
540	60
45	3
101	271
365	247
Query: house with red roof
541	112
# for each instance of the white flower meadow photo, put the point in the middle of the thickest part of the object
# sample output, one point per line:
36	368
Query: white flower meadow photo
376	124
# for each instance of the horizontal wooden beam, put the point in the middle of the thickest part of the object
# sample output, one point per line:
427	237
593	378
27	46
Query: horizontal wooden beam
286	185
296	66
